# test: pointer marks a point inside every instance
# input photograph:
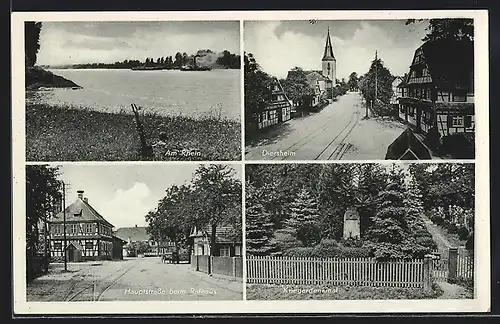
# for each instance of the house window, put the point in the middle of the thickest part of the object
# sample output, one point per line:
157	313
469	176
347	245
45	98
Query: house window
460	96
73	229
89	245
57	229
224	251
58	246
264	116
457	121
273	117
237	250
87	228
411	111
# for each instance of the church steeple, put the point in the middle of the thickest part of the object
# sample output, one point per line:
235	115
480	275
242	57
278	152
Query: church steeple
328	54
329	63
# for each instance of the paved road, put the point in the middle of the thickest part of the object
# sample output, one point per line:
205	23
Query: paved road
134	279
318	136
337	132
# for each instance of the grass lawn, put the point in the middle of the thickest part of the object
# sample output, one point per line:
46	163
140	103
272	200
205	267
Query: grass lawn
67	134
296	292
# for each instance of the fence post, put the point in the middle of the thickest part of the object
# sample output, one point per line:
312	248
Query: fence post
233	259
428	272
452	262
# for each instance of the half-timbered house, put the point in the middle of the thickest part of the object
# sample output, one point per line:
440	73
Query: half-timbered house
277	109
439	89
88	233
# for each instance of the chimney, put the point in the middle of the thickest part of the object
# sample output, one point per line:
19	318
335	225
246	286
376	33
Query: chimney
80	194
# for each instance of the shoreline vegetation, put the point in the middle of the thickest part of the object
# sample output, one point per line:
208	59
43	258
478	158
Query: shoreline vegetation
36	78
65	133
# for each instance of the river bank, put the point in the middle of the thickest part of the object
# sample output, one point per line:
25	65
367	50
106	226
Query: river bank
64	133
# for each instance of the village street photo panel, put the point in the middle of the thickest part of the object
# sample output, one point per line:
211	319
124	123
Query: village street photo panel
359	89
132	90
133	233
361	231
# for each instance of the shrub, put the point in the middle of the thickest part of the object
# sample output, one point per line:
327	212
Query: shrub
437	219
285	240
352	242
301	252
463	233
327	251
426	241
452	228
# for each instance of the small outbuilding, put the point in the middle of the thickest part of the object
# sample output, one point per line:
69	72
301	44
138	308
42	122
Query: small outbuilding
74	252
408	147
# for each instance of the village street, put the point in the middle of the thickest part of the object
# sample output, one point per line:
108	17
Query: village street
133	279
339	131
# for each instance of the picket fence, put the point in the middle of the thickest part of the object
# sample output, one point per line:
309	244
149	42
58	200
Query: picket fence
465	266
346	271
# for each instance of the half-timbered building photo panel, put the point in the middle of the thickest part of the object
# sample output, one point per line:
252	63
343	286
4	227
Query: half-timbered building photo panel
359	89
360	231
133	232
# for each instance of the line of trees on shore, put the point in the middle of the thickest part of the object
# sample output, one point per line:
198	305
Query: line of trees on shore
298	210
223	60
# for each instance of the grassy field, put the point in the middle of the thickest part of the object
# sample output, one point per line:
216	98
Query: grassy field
283	292
67	134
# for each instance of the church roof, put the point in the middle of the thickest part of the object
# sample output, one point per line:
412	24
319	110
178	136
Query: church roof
328	54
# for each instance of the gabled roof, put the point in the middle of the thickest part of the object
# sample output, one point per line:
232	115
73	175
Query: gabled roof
224	234
407	146
80	211
450	63
76	245
133	234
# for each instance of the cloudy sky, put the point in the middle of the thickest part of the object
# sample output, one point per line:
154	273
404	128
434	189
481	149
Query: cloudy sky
279	46
124	194
87	42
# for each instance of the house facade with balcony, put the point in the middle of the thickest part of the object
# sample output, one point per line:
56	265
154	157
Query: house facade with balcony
438	92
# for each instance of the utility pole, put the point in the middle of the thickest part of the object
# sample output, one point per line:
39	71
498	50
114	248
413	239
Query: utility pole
64	225
376	77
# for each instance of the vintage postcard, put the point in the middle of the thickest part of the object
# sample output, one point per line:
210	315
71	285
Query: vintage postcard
244	162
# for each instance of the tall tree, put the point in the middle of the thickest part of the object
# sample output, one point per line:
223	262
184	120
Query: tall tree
298	88
178	59
377	82
353	81
448	28
259	227
43	199
218	199
304	218
257	90
31	41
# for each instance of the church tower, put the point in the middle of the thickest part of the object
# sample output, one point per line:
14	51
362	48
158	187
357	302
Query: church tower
328	62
